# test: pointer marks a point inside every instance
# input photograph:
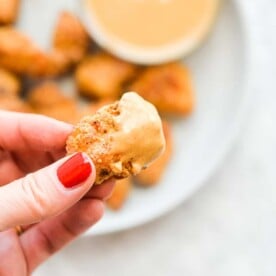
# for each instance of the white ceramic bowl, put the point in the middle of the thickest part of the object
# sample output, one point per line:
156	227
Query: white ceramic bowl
144	55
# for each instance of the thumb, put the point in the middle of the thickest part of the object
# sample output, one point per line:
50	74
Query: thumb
47	192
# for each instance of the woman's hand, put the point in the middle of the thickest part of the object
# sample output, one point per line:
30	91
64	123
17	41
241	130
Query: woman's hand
43	200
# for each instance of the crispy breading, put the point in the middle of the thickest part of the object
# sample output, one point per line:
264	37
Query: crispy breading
9	84
20	55
168	87
103	75
114	137
8	11
70	37
120	193
152	175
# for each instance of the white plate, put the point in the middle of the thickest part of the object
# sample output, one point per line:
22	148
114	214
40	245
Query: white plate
220	75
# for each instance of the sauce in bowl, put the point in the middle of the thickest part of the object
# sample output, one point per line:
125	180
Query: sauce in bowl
146	26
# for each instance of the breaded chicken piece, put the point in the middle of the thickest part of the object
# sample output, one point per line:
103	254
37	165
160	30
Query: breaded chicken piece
8	11
103	75
48	99
70	37
120	193
13	103
65	110
45	95
9	84
20	55
152	175
55	64
168	87
114	137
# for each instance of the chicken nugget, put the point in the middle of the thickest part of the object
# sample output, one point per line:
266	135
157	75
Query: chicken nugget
13	103
53	64
21	56
70	37
48	99
9	84
8	11
152	175
45	95
65	110
103	75
168	87
120	193
114	137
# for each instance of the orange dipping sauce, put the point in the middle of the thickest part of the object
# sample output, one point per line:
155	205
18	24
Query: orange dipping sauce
151	23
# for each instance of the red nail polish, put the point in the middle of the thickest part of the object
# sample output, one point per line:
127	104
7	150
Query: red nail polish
74	171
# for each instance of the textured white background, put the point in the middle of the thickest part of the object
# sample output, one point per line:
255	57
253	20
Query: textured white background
229	226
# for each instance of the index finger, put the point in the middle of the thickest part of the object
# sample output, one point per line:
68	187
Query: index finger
20	131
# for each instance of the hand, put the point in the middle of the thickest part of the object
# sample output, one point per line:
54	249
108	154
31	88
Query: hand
54	204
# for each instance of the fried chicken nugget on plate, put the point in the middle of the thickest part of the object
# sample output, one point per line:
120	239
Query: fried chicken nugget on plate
120	193
70	37
48	99
65	110
13	103
169	87
103	75
20	55
9	84
8	11
44	95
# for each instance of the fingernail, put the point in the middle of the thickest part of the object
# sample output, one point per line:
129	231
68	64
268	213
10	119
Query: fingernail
74	171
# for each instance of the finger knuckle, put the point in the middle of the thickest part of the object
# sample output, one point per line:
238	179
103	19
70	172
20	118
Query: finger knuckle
38	201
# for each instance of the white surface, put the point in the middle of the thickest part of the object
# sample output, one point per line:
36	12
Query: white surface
226	228
144	55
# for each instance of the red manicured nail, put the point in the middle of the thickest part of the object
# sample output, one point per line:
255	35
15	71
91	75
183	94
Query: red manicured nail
74	171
